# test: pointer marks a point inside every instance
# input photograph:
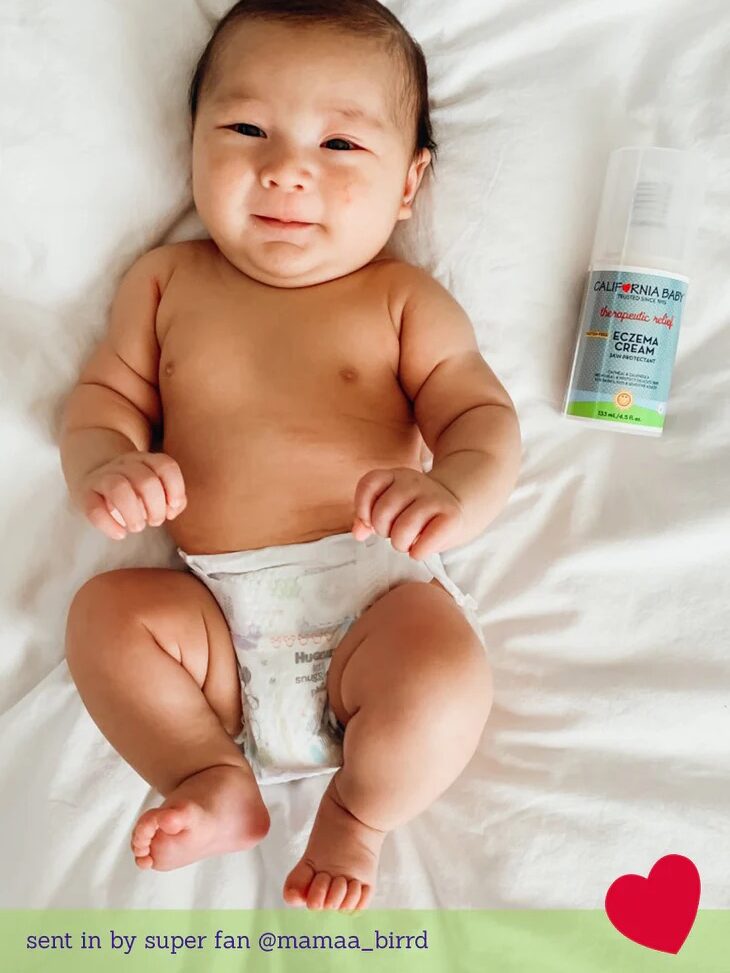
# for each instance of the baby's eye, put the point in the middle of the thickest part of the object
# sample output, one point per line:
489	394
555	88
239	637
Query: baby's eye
343	141
244	125
240	125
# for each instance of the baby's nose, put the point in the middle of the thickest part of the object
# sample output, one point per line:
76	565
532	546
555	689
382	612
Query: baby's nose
286	174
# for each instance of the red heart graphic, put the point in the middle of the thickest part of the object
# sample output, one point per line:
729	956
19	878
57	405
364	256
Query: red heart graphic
626	288
660	910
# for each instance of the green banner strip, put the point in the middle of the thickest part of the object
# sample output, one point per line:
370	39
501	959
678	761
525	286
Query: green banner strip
485	941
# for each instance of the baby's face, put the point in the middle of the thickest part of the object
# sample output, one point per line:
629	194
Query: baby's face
268	142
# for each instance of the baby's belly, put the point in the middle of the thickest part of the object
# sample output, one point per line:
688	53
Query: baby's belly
278	482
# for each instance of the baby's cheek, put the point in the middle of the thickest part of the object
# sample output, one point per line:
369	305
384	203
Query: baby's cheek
350	188
347	192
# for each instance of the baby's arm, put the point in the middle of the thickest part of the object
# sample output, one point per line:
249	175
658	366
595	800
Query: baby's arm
115	406
465	415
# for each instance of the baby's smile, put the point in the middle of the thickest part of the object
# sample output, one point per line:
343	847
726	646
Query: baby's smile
275	224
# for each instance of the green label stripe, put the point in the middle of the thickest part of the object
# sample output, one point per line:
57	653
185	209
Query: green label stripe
441	941
635	416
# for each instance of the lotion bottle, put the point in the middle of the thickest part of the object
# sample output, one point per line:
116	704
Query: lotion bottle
636	289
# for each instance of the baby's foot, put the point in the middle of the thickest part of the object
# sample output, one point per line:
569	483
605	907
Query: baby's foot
212	812
338	867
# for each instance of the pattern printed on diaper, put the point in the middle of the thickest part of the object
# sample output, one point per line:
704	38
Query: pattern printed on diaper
285	588
248	639
316	637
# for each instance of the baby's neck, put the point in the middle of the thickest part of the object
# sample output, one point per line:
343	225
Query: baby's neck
385	254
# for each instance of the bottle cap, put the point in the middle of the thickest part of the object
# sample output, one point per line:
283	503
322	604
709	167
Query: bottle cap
651	205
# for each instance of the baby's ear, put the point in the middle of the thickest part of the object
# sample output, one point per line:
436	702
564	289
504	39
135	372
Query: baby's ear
413	180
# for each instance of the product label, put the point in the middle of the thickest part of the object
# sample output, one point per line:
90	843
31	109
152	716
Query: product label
629	327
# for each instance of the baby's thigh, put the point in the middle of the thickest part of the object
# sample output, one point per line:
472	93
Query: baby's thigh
411	648
179	612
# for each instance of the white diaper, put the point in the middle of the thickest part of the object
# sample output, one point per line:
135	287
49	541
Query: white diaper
288	607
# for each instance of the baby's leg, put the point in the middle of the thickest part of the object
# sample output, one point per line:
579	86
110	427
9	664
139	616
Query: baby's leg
151	655
411	683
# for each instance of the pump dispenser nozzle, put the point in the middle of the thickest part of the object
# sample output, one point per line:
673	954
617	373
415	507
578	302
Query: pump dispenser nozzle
650	206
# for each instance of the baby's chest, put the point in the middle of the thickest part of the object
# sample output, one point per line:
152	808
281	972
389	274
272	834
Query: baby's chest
248	363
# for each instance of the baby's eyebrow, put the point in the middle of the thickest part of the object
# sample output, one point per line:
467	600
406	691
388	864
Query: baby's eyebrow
347	110
352	111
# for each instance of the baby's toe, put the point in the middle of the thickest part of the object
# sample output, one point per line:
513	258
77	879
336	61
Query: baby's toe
337	893
297	884
318	890
139	846
145	828
353	896
172	820
146	833
142	835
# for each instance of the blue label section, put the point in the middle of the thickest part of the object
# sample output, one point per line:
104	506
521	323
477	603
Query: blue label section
629	330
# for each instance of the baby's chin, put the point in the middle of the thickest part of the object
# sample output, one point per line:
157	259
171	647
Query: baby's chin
280	264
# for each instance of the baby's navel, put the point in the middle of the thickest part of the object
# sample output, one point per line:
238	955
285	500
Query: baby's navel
349	374
169	368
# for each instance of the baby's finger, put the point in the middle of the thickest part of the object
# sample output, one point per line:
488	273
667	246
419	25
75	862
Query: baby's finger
149	489
361	530
406	527
171	476
390	506
120	493
367	491
433	538
98	514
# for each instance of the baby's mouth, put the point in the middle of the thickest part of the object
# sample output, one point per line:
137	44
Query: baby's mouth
271	221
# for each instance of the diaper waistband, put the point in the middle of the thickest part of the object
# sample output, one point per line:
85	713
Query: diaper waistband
332	549
378	566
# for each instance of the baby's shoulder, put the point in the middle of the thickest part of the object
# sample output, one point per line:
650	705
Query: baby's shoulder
183	254
404	281
405	276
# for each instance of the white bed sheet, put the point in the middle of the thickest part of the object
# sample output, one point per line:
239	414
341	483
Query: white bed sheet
603	587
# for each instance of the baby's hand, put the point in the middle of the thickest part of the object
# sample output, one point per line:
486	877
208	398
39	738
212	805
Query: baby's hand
418	513
131	491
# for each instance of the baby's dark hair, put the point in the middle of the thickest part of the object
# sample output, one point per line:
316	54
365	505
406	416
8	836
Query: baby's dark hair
363	18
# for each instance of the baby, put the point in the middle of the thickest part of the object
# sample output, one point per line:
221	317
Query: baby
266	394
